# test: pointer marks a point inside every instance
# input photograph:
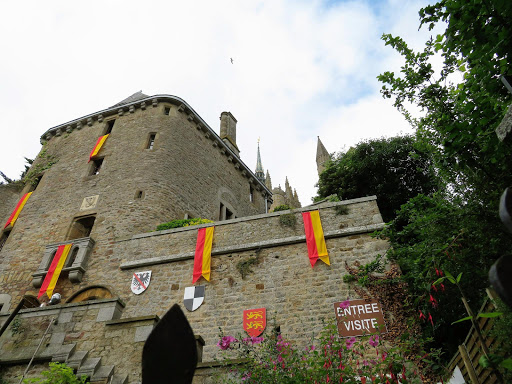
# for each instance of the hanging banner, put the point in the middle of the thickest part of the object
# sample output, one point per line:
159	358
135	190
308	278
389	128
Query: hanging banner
140	282
255	321
19	207
50	280
359	317
315	237
203	255
97	147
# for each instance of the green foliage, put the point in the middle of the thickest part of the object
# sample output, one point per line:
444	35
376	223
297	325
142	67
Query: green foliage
329	358
433	234
341	210
16	326
57	374
288	220
282	207
182	223
43	162
244	267
393	169
458	231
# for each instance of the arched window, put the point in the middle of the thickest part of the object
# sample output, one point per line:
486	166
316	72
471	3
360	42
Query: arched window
95	292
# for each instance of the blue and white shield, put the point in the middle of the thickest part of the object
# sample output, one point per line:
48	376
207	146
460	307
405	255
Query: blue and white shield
193	297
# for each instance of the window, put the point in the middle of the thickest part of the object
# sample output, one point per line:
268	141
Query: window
139	194
225	213
3	238
110	125
151	141
96	166
72	257
81	227
251	194
167	110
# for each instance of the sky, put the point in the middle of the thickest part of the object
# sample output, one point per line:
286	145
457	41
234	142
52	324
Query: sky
301	69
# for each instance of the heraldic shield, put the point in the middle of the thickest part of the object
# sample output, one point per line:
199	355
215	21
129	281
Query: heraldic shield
140	282
193	297
255	321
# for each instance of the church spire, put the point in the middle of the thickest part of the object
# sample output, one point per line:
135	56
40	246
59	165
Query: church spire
322	156
260	174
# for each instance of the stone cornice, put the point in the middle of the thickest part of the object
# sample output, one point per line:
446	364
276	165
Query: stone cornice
152	101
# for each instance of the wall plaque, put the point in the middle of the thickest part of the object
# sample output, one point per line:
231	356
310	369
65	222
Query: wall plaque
359	317
89	202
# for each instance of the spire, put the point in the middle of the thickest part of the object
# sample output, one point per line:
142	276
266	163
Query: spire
260	174
322	156
268	181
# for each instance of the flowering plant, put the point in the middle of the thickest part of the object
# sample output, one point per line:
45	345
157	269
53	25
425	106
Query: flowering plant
329	358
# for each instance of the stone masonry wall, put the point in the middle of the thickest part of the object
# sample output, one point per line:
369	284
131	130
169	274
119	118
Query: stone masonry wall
183	174
296	296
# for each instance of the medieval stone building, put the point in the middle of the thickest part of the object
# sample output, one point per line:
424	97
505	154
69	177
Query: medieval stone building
160	161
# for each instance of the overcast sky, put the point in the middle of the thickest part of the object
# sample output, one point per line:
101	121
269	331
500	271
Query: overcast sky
301	69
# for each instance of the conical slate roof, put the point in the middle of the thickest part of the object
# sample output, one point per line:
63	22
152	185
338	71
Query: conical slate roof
130	99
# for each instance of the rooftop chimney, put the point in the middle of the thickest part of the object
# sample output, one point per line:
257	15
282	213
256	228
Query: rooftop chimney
228	131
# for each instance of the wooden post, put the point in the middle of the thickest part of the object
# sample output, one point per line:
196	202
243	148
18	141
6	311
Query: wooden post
468	364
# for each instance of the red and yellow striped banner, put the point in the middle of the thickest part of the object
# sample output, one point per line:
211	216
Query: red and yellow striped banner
315	237
53	273
203	256
97	147
14	215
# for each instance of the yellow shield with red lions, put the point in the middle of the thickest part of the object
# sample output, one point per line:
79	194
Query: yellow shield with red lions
255	321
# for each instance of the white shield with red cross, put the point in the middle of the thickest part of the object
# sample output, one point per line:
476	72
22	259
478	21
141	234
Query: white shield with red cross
140	282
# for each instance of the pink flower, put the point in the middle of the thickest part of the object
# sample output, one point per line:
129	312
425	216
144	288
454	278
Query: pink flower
345	304
350	342
422	316
433	301
253	340
225	342
374	340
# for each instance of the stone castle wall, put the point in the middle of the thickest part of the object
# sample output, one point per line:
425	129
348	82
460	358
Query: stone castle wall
295	295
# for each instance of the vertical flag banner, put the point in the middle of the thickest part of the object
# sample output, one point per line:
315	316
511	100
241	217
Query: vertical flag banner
315	237
97	147
203	256
14	215
53	273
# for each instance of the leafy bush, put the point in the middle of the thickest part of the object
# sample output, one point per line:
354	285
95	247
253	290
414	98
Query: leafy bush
58	374
182	223
288	220
282	207
272	359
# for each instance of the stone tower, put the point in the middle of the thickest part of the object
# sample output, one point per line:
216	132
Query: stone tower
94	214
322	156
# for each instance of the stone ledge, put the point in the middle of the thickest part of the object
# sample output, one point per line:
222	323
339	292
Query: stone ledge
216	364
250	246
250	218
137	319
57	309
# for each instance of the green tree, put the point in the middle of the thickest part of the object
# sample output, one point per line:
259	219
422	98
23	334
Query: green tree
459	118
393	169
461	105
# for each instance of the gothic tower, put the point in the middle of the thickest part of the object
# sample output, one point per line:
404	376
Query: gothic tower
322	156
260	174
